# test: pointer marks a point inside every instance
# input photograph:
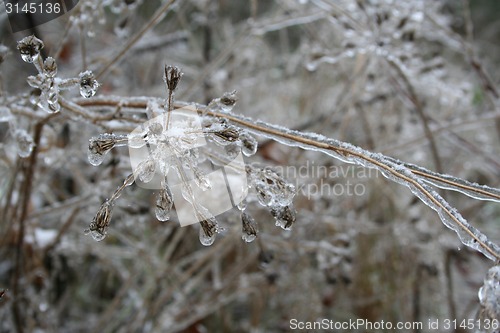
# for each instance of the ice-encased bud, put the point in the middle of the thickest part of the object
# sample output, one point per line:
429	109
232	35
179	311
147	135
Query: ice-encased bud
30	48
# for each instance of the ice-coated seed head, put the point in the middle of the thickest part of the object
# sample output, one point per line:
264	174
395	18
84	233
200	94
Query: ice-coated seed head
30	48
88	84
99	146
248	144
50	67
248	227
99	225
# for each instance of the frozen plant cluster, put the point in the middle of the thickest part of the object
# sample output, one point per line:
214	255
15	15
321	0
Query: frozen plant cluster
172	146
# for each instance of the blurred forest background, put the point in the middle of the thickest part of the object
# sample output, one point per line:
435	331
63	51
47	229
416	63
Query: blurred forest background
416	80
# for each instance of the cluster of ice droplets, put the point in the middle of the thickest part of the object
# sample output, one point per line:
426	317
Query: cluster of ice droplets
275	193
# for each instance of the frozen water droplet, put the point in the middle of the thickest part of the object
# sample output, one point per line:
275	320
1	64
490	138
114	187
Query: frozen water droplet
94	158
248	144
24	143
88	84
146	170
129	180
97	236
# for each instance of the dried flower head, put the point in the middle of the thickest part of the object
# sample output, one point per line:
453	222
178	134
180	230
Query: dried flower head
172	77
30	48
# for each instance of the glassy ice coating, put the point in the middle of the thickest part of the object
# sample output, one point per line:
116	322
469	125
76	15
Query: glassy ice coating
30	48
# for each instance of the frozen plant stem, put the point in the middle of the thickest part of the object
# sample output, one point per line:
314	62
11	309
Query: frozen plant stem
415	178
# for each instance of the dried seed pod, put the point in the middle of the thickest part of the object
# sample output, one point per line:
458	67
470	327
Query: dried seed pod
99	225
30	48
172	77
248	227
285	216
88	84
